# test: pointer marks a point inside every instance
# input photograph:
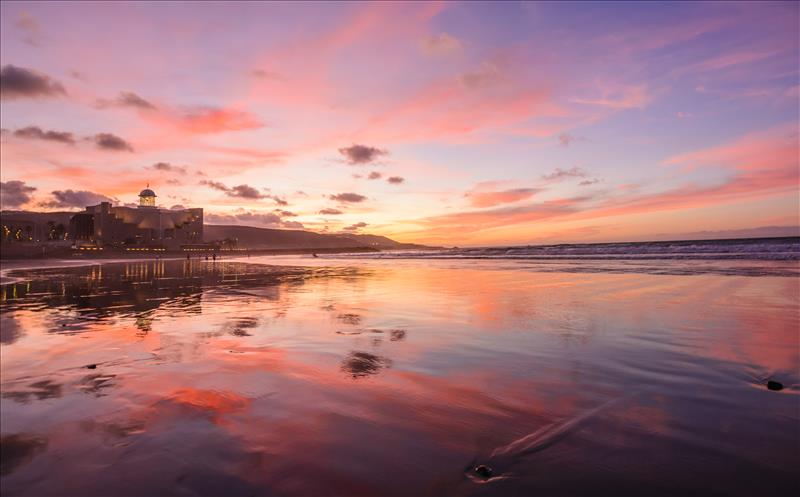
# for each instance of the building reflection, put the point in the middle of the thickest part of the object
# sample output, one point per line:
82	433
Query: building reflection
137	288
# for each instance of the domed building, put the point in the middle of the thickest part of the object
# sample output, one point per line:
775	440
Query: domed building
143	226
147	198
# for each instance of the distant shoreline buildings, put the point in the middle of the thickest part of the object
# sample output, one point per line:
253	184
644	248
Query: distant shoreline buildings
145	225
107	226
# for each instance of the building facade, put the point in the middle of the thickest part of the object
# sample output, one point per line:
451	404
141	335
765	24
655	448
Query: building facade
147	225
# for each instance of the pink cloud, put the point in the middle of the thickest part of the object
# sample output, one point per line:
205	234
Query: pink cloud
448	109
762	165
772	149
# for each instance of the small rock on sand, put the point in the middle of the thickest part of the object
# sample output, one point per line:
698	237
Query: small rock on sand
483	471
91	366
774	385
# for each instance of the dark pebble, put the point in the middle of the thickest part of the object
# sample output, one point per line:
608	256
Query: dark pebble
63	324
774	385
91	366
483	471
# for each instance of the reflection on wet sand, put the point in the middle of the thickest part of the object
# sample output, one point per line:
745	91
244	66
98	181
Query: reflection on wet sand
40	390
17	449
361	364
236	379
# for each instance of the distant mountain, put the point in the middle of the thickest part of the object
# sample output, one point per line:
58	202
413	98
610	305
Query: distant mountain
383	242
268	238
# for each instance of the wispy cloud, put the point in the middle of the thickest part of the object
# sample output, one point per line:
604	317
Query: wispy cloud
441	44
166	166
32	32
560	174
489	73
126	99
619	97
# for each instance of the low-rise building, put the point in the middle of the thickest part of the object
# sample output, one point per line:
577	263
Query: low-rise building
147	225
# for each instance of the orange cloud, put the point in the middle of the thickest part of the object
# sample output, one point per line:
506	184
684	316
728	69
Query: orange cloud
472	221
205	120
492	198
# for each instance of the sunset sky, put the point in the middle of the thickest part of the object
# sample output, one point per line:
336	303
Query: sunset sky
442	123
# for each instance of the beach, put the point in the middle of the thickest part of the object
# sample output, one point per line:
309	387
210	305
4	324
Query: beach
399	376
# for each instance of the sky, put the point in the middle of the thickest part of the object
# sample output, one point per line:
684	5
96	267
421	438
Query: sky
442	123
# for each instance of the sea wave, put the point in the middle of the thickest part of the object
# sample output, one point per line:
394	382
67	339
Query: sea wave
765	249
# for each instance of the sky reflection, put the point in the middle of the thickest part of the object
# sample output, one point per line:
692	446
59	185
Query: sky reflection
370	380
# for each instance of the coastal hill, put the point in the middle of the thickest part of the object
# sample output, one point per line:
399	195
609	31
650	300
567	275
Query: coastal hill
268	238
61	217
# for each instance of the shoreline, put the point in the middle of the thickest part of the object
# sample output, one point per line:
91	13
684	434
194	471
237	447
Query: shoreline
118	254
8	265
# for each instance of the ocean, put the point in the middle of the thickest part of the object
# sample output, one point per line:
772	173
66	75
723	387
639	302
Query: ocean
666	368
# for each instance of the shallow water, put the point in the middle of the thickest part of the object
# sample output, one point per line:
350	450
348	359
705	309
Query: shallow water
398	378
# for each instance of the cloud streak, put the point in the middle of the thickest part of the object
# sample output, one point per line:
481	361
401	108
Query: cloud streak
166	166
330	212
492	198
562	174
126	99
350	198
37	133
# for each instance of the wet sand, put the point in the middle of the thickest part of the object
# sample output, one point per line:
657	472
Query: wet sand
396	378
